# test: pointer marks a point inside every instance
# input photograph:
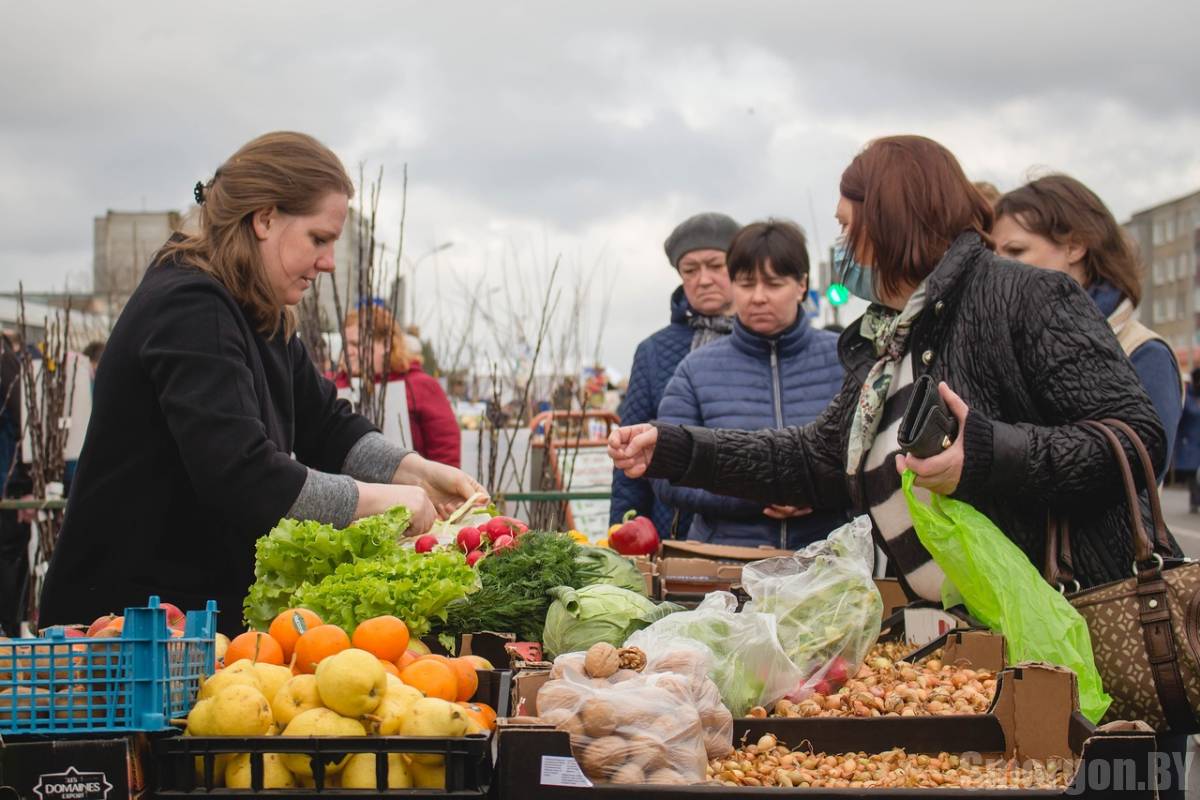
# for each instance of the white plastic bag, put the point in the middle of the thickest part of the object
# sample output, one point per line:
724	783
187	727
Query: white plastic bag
826	605
746	661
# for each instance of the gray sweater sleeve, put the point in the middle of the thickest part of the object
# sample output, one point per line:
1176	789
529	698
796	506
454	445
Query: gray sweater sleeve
326	498
373	459
334	498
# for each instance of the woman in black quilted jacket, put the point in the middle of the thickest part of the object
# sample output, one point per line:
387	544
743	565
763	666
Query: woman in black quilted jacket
1021	356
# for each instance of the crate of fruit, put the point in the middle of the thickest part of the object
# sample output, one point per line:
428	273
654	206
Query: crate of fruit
130	673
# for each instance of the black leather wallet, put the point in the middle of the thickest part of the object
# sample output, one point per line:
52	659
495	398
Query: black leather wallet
927	427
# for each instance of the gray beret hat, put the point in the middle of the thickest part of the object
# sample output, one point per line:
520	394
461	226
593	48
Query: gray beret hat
707	231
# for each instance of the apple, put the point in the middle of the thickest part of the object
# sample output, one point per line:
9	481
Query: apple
176	619
479	661
100	624
473	557
468	539
505	542
73	633
425	543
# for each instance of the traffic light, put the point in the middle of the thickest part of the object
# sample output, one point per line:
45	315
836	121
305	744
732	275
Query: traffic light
837	294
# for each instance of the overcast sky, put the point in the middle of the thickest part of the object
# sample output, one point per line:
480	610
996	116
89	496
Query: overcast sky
533	130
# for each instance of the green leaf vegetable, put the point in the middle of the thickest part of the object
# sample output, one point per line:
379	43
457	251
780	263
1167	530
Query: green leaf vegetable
296	552
602	565
515	586
417	587
579	618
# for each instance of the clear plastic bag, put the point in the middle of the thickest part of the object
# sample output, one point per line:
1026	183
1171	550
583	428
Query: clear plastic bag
643	730
827	607
685	659
745	659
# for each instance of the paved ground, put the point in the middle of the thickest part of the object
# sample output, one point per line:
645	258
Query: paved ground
1185	526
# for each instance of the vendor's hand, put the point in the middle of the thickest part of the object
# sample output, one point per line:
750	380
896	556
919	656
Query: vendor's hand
376	498
631	448
940	474
786	512
447	487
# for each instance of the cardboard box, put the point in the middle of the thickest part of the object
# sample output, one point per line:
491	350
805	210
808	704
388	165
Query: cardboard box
1035	716
649	570
894	598
525	687
80	769
689	570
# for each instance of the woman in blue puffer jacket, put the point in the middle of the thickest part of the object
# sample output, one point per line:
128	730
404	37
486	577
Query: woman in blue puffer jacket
775	370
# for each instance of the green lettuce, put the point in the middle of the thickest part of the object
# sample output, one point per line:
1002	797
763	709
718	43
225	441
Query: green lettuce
416	587
295	552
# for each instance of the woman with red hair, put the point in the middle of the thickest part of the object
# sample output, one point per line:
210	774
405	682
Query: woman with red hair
435	430
1021	356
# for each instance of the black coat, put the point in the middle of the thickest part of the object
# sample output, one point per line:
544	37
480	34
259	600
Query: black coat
1030	354
188	455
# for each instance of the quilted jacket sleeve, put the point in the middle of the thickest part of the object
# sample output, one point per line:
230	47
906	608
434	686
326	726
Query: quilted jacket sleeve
638	406
1076	370
681	406
800	466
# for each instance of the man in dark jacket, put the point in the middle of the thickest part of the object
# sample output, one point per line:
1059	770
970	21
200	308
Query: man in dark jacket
700	311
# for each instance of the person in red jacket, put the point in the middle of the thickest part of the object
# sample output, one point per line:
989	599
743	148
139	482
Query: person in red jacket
434	427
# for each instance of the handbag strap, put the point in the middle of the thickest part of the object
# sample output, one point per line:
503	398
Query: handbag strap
1162	540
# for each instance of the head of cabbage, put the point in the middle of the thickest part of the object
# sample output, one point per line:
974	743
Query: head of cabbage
579	618
602	565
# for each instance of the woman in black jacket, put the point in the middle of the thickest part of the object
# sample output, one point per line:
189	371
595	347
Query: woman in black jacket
210	422
1022	356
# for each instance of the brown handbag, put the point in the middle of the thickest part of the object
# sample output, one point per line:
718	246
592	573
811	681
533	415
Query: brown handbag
1144	629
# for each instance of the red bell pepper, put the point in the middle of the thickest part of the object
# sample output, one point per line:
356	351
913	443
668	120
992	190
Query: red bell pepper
636	536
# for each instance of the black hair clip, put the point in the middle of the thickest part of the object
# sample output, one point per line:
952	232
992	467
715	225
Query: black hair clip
198	192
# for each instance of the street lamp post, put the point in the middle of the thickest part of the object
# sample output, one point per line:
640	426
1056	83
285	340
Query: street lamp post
412	273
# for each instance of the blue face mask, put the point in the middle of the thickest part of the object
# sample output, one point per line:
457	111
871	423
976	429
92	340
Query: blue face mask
858	279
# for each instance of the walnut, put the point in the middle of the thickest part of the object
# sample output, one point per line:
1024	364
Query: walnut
599	717
604	756
622	675
601	660
716	745
630	773
557	694
632	658
564	664
684	662
648	752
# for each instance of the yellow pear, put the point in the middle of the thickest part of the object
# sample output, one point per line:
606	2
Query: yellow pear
318	722
429	776
241	665
226	678
394	683
199	719
432	716
297	695
395	706
351	682
219	764
272	676
359	772
221	645
474	727
274	729
241	711
275	774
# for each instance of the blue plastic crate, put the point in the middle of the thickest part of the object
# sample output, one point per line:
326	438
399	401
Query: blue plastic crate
138	681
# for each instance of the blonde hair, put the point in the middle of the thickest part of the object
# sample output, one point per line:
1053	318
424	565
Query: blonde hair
290	172
383	327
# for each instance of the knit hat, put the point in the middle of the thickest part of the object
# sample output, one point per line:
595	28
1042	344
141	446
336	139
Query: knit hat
707	231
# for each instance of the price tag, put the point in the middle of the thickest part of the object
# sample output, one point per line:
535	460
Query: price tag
563	771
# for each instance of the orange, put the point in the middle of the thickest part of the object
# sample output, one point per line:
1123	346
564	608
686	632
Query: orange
390	667
435	657
431	678
481	713
406	658
287	627
479	661
256	646
384	637
318	643
468	680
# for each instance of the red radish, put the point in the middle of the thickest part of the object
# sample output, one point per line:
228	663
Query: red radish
473	557
468	539
838	672
505	542
425	543
503	526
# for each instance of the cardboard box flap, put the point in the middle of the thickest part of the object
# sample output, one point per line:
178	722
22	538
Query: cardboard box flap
975	649
1035	703
721	552
681	569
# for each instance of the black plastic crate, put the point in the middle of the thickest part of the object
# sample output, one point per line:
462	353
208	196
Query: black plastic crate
468	759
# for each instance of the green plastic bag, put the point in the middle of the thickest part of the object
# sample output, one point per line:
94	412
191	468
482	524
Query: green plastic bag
1004	590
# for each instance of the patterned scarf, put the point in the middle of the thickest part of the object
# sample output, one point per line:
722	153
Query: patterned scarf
888	331
708	329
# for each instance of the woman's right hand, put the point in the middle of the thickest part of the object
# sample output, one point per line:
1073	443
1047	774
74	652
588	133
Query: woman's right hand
632	448
376	498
